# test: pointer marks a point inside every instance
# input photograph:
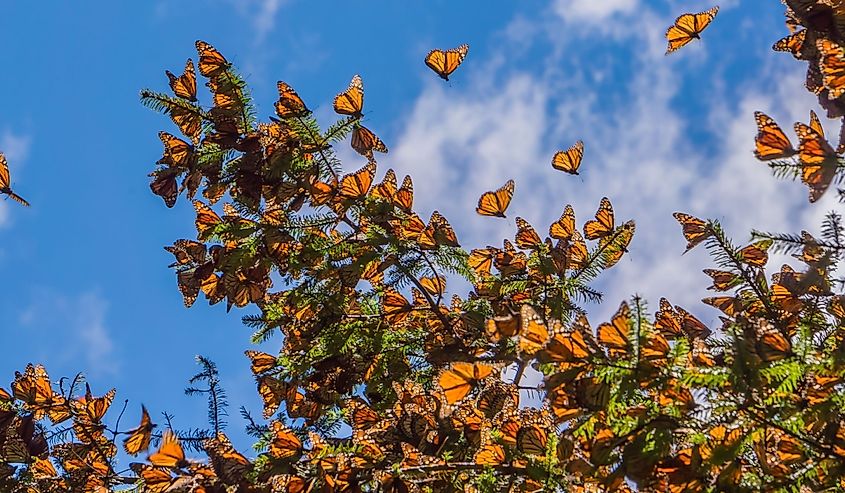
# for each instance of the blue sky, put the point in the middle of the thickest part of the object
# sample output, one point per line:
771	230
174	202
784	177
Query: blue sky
86	284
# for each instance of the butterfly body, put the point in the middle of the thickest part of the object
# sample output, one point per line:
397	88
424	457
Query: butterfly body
444	62
688	27
5	183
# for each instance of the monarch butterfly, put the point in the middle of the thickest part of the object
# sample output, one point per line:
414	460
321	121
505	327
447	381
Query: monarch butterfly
460	378
832	67
438	232
526	235
184	86
434	285
396	307
603	224
90	408
5	182
490	454
260	362
534	332
284	444
351	101
364	142
289	105
272	392
139	438
574	345
615	335
207	220
246	286
356	185
404	197
563	228
688	27
43	469
769	343
794	43
34	389
818	160
576	253
816	124
674	322
229	464
170	453
771	142
695	230
360	415
481	260
756	253
187	252
189	121
495	203
729	305
444	62
570	159
211	62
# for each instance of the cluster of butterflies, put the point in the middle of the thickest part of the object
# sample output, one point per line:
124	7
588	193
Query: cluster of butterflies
817	160
817	35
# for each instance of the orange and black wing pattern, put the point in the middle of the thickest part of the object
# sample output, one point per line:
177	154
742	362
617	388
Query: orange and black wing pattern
688	27
444	62
603	224
771	142
569	160
211	62
351	101
289	105
818	160
5	182
495	203
832	67
184	86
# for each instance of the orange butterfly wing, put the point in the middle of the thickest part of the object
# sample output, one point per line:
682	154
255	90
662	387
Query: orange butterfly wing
771	142
444	62
569	160
139	439
289	105
170	453
495	203
364	142
603	224
818	160
695	230
351	101
184	86
832	67
688	27
211	62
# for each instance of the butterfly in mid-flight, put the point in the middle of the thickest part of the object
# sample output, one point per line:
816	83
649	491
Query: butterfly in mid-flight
495	203
688	27
569	160
5	182
444	62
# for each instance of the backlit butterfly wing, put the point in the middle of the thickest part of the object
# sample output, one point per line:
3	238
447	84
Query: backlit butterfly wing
139	438
771	142
614	336
211	62
570	159
404	198
444	62
794	43
364	141
481	260
289	105
526	235
206	220
533	331
272	391
818	160
603	224
695	230
356	185
688	27
495	203
460	378
832	67
184	86
351	101
170	453
563	228
816	124
284	444
260	362
5	182
229	464
396	307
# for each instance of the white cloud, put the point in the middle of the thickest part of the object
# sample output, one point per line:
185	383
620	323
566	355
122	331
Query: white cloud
647	153
592	11
74	327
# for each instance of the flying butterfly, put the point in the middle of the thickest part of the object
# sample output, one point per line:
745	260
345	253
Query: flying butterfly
818	160
771	142
603	224
688	27
832	67
170	452
695	230
184	86
139	438
211	62
5	182
569	160
289	105
495	203
351	101
364	142
444	62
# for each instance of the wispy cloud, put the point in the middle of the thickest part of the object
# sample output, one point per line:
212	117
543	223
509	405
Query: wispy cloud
73	326
644	152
